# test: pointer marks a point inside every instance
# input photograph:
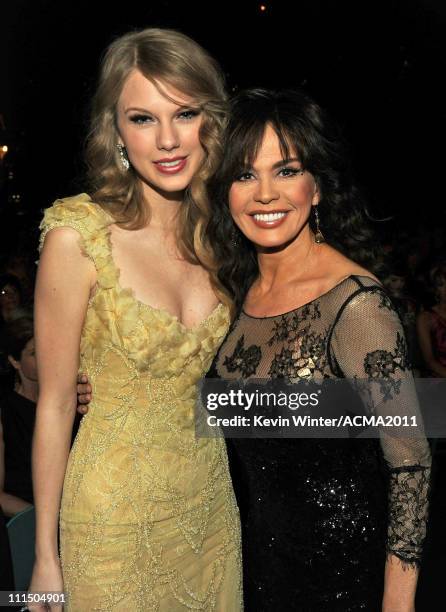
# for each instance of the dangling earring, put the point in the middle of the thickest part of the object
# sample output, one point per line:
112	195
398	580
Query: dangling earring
123	155
318	236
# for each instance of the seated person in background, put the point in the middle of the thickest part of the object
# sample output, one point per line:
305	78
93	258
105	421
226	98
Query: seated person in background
17	411
11	298
431	325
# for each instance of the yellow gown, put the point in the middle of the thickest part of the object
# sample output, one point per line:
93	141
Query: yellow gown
148	518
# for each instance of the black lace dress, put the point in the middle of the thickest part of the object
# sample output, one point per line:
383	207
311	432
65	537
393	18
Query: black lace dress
320	515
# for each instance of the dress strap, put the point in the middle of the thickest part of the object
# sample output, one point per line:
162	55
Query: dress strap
92	223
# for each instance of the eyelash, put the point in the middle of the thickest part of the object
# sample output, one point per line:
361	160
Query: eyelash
292	171
144	119
191	113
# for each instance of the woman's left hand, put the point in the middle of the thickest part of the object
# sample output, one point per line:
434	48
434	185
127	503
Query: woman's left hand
83	393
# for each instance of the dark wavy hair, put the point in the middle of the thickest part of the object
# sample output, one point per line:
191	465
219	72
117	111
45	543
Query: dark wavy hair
304	129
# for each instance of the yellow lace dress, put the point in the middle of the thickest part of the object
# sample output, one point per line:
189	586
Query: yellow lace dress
148	519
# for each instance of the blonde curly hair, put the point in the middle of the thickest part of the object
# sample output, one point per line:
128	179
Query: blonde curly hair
177	60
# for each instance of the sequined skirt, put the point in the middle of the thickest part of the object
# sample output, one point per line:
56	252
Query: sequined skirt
314	516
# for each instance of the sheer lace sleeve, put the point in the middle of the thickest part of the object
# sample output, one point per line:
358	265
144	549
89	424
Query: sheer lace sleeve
368	343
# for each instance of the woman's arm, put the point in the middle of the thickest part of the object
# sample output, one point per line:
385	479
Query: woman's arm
63	287
369	344
425	342
400	585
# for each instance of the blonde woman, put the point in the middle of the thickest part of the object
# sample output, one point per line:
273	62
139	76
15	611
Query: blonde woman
148	518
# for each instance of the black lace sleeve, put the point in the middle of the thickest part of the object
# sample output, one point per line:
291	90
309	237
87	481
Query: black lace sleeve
368	343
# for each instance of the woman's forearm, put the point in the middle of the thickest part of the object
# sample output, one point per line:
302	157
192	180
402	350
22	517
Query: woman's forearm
400	584
11	504
51	446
